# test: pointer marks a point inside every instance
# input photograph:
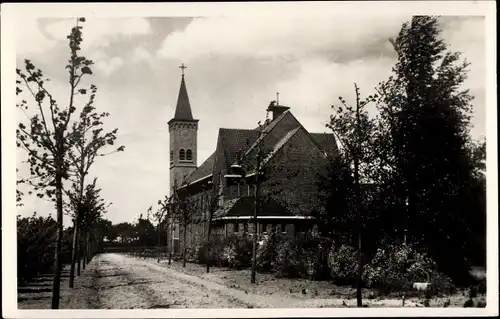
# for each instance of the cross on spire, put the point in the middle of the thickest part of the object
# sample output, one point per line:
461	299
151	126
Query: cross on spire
182	67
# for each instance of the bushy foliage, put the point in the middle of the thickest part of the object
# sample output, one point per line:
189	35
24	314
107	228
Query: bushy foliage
343	264
288	259
481	287
302	257
315	252
215	249
234	252
193	252
441	284
266	252
396	267
237	252
36	244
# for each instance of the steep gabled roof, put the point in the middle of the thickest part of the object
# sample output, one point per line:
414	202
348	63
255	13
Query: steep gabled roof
265	130
232	143
204	170
280	144
327	142
235	141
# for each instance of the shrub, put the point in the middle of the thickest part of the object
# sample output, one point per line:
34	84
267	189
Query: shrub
469	303
266	252
472	292
233	251
302	257
36	238
193	253
481	303
288	259
237	252
343	264
315	255
216	252
395	267
481	287
440	284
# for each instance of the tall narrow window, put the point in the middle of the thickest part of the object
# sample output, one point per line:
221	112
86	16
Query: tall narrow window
189	155
182	155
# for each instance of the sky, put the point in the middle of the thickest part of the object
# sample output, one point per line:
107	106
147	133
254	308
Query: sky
235	66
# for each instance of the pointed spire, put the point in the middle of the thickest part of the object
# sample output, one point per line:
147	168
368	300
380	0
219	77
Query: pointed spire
183	108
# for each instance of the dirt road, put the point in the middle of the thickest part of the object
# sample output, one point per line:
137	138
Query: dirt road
122	282
117	281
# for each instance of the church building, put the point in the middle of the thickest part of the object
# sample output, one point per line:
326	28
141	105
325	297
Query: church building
280	158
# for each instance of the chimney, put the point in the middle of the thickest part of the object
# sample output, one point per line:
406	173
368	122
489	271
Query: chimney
277	109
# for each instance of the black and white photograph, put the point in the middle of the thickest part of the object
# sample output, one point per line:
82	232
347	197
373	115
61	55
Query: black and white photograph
249	159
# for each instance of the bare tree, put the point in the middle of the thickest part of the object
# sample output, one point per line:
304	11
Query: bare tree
185	217
213	200
160	216
353	129
86	140
46	141
258	163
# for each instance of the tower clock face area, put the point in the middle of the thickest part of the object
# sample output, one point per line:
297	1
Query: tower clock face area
188	133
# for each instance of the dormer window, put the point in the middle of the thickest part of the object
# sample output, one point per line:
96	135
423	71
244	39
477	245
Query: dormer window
189	155
182	155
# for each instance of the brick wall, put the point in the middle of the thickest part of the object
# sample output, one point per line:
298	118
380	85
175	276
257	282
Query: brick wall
183	135
293	173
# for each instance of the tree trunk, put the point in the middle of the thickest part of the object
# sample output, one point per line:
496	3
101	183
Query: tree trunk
84	250
87	249
256	213
171	244
56	284
78	255
209	229
184	246
158	243
73	253
167	243
358	204
254	239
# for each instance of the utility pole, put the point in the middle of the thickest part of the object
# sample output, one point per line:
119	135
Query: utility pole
256	213
356	154
257	201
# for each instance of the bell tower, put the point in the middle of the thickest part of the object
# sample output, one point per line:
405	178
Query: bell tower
183	138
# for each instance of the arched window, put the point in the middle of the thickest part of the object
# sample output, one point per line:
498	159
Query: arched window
189	155
182	155
171	156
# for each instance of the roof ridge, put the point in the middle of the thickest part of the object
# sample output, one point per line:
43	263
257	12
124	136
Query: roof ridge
310	135
281	143
266	130
324	133
192	173
236	129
